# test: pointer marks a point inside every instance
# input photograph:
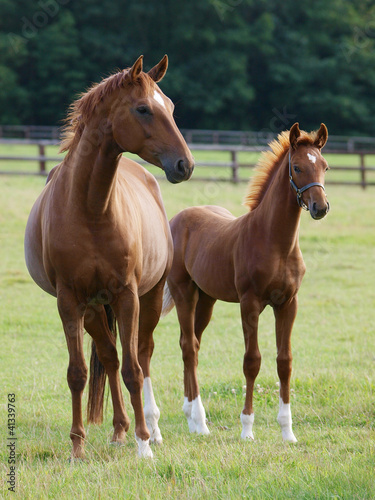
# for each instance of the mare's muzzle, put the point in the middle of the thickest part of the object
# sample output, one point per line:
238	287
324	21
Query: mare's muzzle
180	170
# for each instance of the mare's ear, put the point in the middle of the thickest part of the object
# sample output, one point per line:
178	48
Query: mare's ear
321	136
158	71
136	69
294	134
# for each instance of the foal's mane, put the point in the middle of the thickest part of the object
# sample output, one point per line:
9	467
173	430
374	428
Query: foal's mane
268	164
84	107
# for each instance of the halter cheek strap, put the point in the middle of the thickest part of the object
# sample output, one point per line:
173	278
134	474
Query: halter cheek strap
301	190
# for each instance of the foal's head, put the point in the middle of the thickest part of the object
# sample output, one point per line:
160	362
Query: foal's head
307	169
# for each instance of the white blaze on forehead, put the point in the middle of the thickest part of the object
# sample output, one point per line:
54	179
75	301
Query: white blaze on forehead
158	98
311	157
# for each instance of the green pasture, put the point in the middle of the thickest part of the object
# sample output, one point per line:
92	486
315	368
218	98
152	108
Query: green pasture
333	382
203	160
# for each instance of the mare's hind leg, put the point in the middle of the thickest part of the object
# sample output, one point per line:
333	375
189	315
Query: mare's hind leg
97	326
186	297
285	316
150	309
72	320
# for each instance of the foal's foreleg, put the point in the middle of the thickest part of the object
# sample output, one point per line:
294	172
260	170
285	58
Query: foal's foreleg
126	309
250	310
285	315
72	319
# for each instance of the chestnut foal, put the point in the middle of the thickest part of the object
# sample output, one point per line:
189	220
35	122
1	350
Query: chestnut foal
254	260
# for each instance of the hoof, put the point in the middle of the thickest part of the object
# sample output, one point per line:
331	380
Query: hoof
144	450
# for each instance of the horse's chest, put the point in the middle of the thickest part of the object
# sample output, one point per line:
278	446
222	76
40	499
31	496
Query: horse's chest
283	279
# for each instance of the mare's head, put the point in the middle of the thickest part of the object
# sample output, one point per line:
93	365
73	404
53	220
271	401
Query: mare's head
307	169
131	106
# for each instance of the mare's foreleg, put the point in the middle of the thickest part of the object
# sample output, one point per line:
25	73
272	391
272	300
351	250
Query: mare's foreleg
285	316
250	310
96	325
150	309
126	309
72	319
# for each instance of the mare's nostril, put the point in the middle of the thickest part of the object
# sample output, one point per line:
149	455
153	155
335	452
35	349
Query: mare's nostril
180	166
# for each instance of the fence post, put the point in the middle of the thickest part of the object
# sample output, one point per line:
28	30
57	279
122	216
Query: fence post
42	162
363	170
233	154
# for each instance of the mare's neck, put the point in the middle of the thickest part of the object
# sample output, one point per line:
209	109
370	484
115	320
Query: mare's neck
278	213
94	165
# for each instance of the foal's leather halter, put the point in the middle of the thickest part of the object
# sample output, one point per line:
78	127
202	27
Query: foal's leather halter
301	190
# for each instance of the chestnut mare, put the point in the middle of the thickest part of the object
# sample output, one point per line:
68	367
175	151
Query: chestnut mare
98	239
254	260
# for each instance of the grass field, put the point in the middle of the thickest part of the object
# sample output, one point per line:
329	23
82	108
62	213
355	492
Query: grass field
333	382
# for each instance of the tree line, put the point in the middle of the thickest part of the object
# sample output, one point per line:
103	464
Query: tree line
234	64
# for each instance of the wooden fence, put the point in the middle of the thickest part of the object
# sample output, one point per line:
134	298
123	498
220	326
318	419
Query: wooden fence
233	165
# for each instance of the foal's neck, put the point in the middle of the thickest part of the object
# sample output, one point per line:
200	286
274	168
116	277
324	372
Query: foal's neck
279	213
95	161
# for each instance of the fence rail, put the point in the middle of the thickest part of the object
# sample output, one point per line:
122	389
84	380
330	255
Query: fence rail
234	165
204	137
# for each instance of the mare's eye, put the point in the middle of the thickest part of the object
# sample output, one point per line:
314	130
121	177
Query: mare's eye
144	110
297	169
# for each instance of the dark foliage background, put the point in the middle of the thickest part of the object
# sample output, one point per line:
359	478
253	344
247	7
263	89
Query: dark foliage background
234	64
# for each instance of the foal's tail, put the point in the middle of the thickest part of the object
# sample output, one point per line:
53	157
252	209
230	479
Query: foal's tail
168	302
98	377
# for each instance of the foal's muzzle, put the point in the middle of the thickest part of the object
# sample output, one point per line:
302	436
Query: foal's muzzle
318	212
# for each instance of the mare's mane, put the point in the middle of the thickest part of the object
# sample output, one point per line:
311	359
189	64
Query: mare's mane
269	163
81	110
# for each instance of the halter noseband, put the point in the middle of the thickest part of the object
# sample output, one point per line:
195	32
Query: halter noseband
301	190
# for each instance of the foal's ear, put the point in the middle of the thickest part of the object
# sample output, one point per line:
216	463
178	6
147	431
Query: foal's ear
158	71
321	136
136	69
294	134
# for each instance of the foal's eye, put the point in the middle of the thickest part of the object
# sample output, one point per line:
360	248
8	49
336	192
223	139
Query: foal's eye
144	110
297	169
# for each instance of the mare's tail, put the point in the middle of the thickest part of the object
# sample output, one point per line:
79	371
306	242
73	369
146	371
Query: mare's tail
98	377
168	302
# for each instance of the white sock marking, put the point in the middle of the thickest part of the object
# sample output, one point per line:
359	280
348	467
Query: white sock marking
196	416
158	97
285	421
144	450
311	157
247	426
152	412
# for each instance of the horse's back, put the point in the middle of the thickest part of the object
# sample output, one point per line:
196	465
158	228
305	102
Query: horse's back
204	238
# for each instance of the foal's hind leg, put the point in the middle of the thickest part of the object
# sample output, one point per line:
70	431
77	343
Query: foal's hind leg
150	309
186	297
97	326
285	316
